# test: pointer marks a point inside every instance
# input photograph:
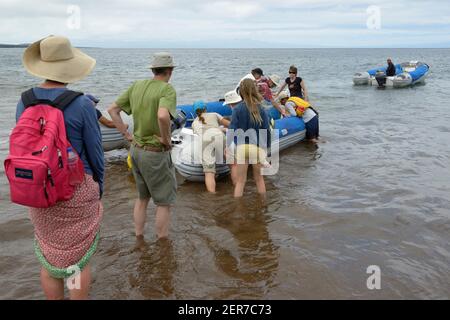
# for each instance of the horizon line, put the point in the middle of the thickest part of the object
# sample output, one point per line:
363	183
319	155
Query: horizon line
18	46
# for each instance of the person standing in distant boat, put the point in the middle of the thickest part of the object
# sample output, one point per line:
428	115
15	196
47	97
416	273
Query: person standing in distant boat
390	71
151	103
295	84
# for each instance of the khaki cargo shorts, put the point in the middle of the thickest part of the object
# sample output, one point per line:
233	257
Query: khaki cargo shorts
154	174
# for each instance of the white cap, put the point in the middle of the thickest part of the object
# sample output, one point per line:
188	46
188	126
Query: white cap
248	76
232	97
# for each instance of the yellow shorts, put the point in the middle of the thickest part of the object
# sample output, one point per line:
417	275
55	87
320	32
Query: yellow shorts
250	154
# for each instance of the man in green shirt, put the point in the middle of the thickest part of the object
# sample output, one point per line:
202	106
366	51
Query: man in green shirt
151	104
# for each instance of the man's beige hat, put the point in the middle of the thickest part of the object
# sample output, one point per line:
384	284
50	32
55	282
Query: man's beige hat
54	58
162	60
232	97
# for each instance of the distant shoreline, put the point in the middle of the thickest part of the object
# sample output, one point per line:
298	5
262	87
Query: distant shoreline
23	45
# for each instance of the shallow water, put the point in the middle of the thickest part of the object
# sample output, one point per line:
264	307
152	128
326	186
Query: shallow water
375	193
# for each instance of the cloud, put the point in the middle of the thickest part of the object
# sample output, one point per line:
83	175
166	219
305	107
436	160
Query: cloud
228	23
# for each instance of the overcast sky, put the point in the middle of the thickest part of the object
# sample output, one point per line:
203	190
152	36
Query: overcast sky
230	23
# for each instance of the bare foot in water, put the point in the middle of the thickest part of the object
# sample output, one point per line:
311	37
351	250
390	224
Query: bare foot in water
140	244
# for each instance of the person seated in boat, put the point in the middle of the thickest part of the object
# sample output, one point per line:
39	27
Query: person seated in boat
274	109
295	84
274	82
207	126
103	120
301	108
259	75
232	99
247	76
390	71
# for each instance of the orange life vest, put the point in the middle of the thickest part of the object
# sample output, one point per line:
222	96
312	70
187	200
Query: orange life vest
300	105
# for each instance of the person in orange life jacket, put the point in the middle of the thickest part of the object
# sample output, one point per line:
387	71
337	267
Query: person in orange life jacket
299	107
296	85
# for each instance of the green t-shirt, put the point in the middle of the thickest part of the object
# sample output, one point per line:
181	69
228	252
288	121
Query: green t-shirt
142	100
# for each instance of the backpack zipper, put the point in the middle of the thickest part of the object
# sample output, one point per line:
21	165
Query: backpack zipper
40	151
45	190
42	123
60	160
49	176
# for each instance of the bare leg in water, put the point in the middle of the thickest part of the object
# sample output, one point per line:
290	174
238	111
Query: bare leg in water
210	182
241	179
140	216
259	179
162	221
54	288
85	285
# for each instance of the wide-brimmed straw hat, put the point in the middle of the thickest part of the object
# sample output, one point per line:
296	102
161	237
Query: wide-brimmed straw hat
54	58
232	97
162	60
275	79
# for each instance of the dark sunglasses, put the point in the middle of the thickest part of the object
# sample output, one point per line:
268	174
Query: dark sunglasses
292	72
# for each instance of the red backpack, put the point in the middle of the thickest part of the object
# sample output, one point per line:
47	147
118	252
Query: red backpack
37	165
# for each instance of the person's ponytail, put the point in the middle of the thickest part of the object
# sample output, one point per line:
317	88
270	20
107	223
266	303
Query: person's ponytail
199	115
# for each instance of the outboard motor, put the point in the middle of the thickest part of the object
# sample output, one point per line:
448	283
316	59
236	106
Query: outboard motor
361	78
178	121
380	76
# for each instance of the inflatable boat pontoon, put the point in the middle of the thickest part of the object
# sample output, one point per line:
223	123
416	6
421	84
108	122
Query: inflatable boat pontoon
186	152
112	139
406	74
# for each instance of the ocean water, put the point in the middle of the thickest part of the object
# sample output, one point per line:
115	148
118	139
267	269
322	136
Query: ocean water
374	192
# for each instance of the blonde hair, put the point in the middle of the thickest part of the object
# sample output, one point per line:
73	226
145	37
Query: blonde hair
252	98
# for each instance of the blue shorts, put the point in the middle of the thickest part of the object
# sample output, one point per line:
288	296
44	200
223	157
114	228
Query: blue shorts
312	128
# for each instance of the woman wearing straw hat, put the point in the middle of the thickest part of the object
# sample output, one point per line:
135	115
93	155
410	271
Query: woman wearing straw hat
67	233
